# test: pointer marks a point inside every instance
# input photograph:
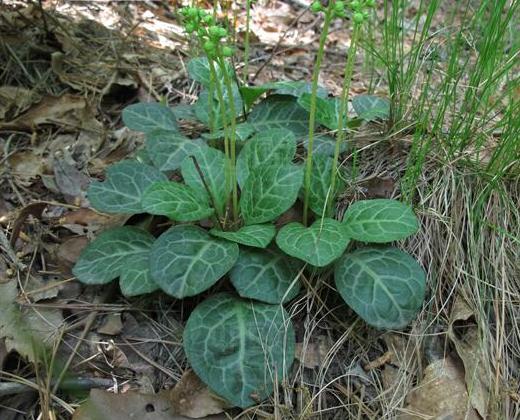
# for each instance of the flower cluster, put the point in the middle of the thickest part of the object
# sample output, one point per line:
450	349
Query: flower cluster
359	9
211	36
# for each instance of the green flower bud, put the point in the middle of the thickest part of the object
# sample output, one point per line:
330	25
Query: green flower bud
340	14
208	19
365	14
214	32
355	5
339	6
358	17
227	51
190	27
316	7
209	47
222	32
371	3
201	32
192	12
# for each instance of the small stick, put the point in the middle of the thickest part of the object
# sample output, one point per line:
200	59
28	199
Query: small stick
11	388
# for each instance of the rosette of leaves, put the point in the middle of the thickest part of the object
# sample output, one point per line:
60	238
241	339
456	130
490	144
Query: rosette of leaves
247	337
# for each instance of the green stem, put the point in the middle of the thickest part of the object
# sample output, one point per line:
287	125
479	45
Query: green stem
312	113
232	109
340	136
246	42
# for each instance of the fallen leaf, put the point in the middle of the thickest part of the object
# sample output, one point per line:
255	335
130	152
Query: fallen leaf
67	111
26	330
87	221
104	405
69	251
441	394
112	324
69	180
312	355
25	165
469	346
192	398
14	100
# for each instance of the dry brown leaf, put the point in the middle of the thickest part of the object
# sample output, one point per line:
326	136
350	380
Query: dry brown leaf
70	181
112	325
87	221
312	355
192	398
66	111
25	165
69	251
26	330
441	394
14	100
468	345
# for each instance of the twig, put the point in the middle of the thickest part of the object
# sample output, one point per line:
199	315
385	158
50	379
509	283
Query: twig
11	388
88	324
282	37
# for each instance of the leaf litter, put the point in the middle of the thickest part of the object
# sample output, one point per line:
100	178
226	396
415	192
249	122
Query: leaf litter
66	132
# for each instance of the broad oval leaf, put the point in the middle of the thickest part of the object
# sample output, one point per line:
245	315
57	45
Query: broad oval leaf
371	107
266	275
215	167
148	117
324	144
168	150
185	260
258	236
319	245
177	201
327	110
320	193
120	252
122	190
239	348
384	286
279	111
283	87
270	190
276	145
199	70
202	108
380	220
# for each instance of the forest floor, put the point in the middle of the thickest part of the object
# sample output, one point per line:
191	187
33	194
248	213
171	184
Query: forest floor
67	70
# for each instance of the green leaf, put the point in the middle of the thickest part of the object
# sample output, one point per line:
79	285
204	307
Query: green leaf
215	168
324	144
168	150
238	347
380	220
279	111
177	201
258	236
319	245
123	187
202	106
284	87
136	278
184	112
370	107
243	131
319	191
147	117
198	70
185	260
266	275
276	145
270	190
120	252
384	286
327	110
